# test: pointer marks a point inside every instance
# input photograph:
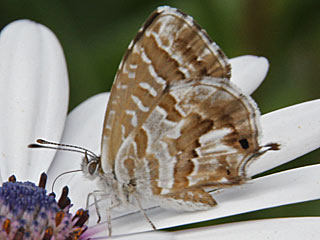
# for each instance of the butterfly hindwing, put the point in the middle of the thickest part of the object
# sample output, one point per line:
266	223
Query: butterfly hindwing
201	134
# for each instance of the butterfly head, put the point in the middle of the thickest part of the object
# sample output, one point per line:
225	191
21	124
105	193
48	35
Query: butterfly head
91	166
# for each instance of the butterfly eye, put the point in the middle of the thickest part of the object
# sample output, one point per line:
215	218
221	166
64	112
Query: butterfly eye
92	167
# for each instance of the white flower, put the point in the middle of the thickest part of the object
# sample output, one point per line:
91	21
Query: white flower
34	100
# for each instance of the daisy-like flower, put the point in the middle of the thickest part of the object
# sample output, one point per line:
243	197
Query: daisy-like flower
28	212
34	100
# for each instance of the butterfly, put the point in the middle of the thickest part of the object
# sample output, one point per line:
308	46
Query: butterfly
174	126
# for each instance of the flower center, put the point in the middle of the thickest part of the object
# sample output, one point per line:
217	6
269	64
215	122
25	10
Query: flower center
28	212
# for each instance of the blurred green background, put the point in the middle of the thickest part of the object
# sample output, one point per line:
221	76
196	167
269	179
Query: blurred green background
95	35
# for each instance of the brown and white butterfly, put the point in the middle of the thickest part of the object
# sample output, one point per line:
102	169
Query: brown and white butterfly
174	126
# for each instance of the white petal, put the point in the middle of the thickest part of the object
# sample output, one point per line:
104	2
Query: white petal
83	128
281	228
139	236
248	72
231	201
291	186
295	128
34	97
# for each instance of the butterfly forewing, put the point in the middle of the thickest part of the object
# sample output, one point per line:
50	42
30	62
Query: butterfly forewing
169	47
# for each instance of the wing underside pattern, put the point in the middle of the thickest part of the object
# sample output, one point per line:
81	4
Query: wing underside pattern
174	124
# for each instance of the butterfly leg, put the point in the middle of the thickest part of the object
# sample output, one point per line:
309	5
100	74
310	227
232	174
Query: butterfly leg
144	213
113	205
94	195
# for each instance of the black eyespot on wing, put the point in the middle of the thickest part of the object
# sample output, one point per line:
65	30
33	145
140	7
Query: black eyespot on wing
244	143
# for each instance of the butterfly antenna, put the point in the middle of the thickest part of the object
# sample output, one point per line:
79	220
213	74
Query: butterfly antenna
41	143
61	174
